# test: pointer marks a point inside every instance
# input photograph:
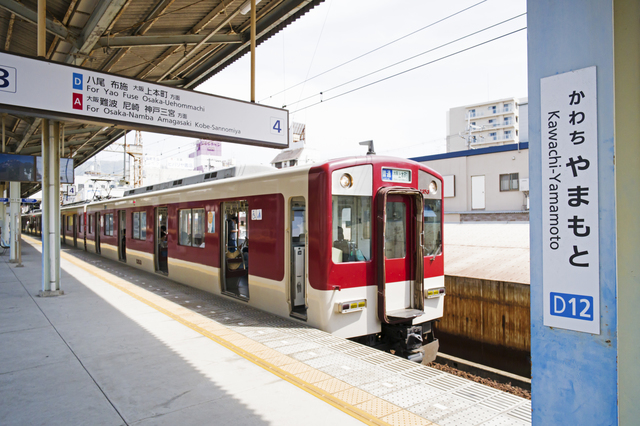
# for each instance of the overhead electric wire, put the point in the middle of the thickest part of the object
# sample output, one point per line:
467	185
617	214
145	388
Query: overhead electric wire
376	49
404	60
411	69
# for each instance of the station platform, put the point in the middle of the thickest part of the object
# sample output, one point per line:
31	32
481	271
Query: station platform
125	347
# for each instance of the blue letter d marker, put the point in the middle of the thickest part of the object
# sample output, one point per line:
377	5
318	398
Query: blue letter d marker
77	81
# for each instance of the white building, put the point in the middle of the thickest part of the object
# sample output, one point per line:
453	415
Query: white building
487	124
486	168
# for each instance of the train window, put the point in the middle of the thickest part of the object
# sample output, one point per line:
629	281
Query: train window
91	224
139	225
395	236
184	230
79	223
198	227
191	227
108	224
432	243
351	228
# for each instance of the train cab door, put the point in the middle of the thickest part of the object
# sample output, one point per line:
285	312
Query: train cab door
234	241
161	238
122	235
297	279
400	265
98	231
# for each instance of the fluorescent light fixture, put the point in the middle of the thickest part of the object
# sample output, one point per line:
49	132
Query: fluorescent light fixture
246	7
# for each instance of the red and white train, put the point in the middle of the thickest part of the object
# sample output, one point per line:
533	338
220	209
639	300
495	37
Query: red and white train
352	246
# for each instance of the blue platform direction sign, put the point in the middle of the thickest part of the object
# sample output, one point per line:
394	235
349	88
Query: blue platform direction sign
29	200
4	200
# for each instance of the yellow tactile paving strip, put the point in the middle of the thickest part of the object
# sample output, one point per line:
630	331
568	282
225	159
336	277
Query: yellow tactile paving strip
351	400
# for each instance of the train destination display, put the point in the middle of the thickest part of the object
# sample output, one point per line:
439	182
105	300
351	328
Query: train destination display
570	249
52	90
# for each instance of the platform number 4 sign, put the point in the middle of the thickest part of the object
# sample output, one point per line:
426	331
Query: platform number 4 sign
276	126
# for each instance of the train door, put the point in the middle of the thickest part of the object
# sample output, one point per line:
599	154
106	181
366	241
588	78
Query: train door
63	233
122	235
400	265
74	230
161	238
297	279
234	270
99	220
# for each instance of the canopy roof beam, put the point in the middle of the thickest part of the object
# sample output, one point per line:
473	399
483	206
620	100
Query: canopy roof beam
174	40
53	27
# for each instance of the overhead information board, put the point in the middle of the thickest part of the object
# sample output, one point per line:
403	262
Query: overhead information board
570	249
64	92
29	168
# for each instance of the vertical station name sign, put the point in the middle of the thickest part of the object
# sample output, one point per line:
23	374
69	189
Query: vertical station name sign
58	91
570	243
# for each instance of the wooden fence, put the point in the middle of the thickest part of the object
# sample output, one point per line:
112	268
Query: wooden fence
493	312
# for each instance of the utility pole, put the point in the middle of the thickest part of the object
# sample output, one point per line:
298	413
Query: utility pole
467	134
135	151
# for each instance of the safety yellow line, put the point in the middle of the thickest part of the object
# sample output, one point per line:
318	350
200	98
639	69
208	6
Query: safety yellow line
355	412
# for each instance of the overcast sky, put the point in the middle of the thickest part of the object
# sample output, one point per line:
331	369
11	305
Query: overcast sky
404	115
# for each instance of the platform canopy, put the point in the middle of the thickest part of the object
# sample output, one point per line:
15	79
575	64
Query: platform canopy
177	43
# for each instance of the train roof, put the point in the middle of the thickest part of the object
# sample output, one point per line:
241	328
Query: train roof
229	172
248	172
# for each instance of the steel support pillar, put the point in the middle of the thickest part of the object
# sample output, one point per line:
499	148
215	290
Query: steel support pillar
51	209
14	221
3	215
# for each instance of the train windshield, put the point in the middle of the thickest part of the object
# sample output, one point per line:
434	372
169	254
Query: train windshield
432	225
351	229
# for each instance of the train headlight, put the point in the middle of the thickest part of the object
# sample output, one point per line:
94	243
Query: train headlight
433	187
346	181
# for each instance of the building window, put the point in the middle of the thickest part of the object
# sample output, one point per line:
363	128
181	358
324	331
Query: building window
191	227
292	163
493	109
507	134
507	121
507	107
493	136
472	113
492	123
108	224
139	225
509	182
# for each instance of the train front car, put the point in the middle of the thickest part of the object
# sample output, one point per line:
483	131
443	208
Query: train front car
376	268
